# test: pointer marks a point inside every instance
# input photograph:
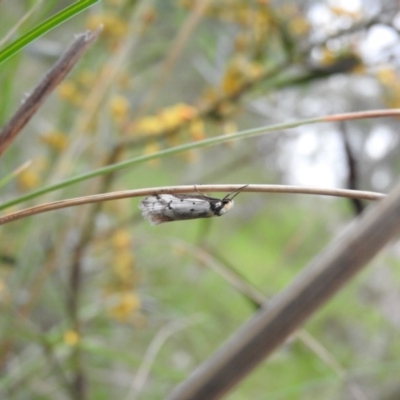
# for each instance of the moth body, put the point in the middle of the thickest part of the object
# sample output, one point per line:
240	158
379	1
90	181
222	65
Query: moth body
161	208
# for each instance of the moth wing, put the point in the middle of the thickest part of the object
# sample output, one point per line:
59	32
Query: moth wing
164	208
156	219
190	207
154	203
154	209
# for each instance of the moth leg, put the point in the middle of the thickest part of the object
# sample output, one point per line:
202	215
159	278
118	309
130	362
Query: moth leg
198	191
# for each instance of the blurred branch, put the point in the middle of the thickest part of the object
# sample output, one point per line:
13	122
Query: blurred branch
309	73
209	109
315	285
104	81
215	261
56	74
56	205
235	279
352	170
32	103
330	360
22	20
313	73
154	348
177	46
16	172
87	220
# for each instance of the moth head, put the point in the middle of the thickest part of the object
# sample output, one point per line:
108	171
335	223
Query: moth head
227	202
226	205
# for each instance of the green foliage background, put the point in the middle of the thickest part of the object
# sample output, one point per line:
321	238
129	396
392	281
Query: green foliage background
87	292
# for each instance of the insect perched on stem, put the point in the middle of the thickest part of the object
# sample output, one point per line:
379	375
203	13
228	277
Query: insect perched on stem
161	208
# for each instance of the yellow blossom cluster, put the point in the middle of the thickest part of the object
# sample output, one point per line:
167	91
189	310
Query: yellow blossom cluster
122	279
114	27
390	81
74	91
238	72
168	118
119	107
31	177
56	140
71	337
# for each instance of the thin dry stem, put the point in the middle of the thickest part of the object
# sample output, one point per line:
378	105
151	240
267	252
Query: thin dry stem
187	189
141	375
19	23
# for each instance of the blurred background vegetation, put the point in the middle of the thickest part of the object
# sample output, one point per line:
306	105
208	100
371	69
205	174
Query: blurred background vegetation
97	304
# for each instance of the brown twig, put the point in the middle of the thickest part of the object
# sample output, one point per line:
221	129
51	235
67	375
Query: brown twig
56	205
56	74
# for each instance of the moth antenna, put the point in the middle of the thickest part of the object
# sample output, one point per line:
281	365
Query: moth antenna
236	193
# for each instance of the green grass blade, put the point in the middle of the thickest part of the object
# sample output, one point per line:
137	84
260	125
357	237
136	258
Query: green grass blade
204	143
45	27
163	153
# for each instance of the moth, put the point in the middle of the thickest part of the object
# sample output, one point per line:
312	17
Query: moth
161	208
